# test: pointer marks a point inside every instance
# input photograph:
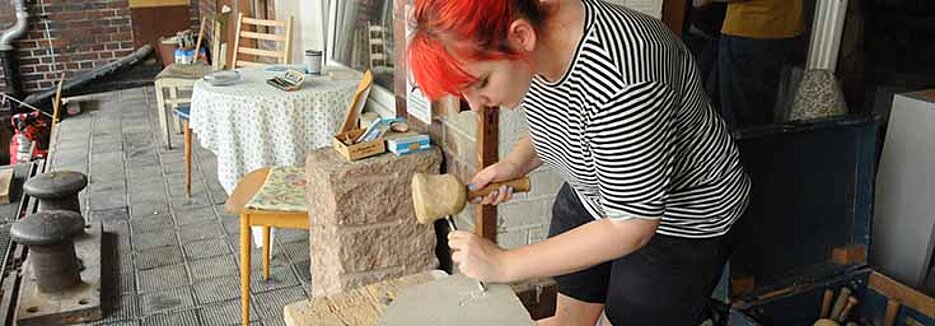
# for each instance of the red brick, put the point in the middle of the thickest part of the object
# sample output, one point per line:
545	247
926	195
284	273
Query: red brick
28	61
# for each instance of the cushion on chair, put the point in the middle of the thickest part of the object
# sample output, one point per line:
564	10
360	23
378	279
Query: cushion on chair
183	111
283	190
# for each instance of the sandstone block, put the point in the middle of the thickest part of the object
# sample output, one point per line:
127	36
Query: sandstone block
362	224
373	190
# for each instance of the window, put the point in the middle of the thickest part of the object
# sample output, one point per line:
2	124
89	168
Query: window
361	38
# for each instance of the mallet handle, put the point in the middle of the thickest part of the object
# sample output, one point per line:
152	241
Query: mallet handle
518	184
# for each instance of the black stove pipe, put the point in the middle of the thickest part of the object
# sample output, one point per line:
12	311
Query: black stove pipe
11	73
7	50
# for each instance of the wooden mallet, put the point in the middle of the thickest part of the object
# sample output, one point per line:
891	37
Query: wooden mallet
437	196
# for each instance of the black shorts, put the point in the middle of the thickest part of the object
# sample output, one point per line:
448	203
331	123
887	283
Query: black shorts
667	282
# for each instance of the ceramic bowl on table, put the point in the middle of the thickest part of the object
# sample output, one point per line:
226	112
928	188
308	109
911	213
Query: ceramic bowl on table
223	78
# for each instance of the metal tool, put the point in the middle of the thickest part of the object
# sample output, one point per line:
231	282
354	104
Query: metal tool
451	225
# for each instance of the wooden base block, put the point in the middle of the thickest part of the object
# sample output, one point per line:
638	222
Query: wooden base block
849	255
538	296
80	304
741	285
6	179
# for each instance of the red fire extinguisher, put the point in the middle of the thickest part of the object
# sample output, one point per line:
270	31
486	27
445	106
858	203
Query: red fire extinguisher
29	138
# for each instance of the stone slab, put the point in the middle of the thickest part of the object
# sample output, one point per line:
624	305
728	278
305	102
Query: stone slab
79	304
455	301
359	307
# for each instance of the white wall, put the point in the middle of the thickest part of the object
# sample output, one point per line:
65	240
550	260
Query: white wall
308	31
649	7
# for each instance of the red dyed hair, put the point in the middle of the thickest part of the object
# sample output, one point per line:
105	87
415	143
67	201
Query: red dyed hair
447	32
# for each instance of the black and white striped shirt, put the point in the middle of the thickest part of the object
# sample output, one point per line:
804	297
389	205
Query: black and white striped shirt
632	131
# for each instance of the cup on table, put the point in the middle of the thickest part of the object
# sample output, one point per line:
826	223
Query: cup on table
313	62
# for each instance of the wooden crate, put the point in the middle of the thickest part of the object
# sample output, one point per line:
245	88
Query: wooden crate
357	151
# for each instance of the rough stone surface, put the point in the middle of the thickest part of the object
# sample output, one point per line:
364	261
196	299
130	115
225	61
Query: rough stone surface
373	190
359	307
362	225
378	247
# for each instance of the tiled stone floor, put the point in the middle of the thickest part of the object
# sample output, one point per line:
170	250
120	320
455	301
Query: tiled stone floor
173	260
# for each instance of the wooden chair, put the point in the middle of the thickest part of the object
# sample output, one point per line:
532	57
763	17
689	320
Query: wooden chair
175	82
253	49
184	114
376	36
236	203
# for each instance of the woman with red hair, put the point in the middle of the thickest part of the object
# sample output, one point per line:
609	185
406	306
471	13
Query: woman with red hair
615	106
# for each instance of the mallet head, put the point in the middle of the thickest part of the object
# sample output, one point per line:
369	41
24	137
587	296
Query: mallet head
435	196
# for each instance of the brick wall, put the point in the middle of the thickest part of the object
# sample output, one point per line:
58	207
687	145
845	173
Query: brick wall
84	34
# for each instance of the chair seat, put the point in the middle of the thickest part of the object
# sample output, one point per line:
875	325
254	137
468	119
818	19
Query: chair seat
183	111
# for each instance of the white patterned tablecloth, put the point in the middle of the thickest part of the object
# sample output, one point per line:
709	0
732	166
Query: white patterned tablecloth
250	124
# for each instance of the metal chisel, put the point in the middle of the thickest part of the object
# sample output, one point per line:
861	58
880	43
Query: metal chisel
451	225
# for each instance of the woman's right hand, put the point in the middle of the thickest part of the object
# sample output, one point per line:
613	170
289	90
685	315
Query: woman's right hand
500	171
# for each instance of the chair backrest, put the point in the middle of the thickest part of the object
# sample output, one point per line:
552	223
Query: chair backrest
357	104
258	34
376	37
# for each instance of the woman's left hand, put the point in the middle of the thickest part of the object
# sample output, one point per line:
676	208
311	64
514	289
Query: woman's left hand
478	258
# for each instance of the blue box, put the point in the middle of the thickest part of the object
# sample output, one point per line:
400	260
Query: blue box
408	144
807	228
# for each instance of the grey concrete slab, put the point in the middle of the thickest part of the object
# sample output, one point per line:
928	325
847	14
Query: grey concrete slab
186	203
217	290
155	239
303	272
205	249
280	277
120	308
158	257
297	251
176	299
110	215
199	231
148	202
107	200
213	267
292	235
182	318
127	283
268	302
226	313
152	222
161	278
195	215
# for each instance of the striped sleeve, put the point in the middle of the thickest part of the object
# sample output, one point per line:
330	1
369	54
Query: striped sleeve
632	140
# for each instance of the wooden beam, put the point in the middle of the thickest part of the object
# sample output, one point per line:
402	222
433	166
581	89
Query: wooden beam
673	14
488	143
133	4
6	179
905	295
